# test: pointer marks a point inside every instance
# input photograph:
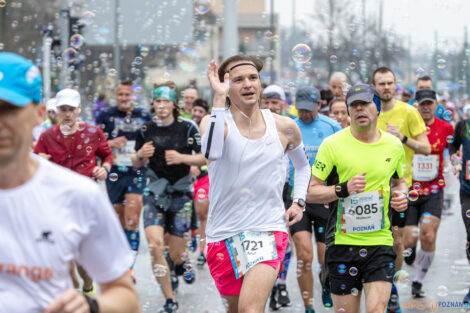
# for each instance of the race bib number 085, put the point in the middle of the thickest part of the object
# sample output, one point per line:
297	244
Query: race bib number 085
362	213
249	248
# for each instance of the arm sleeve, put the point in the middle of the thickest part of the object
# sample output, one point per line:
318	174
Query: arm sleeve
455	145
104	151
302	174
213	140
104	251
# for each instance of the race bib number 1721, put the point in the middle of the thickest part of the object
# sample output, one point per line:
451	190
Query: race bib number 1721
250	248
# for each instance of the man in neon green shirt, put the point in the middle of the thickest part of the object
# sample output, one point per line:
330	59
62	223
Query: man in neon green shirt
363	168
403	121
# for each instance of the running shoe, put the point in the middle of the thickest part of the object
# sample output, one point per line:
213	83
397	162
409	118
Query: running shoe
273	304
201	259
394	302
416	291
171	306
466	299
283	295
90	292
174	280
411	258
325	294
309	311
193	244
189	274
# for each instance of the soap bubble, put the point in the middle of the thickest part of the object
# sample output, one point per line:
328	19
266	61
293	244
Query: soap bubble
333	59
202	6
188	59
70	54
442	291
144	51
301	53
441	64
401	278
413	195
76	41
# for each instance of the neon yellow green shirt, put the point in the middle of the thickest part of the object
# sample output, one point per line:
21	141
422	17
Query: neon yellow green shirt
340	157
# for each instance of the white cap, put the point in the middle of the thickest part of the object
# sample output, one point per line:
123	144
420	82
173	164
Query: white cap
51	105
69	97
274	91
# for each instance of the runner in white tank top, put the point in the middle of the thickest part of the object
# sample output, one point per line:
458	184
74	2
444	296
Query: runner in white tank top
247	224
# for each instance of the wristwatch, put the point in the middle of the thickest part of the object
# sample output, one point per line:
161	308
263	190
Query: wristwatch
341	190
300	202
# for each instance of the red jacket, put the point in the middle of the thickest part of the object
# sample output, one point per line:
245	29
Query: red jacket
78	151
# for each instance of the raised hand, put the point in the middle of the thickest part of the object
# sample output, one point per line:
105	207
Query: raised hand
220	89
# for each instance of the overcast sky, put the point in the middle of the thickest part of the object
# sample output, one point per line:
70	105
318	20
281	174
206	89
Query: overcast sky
418	18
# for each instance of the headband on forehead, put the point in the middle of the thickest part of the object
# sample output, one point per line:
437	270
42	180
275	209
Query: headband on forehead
240	64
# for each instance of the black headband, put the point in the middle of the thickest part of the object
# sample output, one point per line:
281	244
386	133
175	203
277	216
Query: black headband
240	64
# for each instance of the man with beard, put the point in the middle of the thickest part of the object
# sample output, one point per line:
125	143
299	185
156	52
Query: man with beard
403	121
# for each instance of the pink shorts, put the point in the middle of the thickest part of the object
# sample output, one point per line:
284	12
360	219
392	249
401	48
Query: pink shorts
221	268
201	188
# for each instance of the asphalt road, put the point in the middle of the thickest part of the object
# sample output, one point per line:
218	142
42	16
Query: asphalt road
447	280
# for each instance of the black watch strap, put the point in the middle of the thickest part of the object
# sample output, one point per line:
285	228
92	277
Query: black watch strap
341	190
405	139
301	202
93	304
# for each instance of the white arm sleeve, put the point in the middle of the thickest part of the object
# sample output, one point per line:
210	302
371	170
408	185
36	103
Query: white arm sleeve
302	172
213	140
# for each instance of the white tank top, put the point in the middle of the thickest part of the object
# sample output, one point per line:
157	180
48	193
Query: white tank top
246	184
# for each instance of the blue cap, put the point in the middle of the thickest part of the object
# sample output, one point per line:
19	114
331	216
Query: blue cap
20	80
365	93
307	98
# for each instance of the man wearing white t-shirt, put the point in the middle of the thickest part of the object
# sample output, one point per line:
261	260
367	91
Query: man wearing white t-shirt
50	216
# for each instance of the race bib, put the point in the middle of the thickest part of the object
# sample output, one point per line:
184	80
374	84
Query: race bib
123	155
362	212
249	248
425	167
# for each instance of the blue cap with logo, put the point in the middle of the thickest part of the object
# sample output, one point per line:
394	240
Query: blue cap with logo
364	93
20	80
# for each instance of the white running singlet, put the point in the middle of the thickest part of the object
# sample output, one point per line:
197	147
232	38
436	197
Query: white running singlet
246	184
55	217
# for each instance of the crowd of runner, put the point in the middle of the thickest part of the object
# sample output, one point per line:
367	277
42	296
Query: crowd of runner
243	184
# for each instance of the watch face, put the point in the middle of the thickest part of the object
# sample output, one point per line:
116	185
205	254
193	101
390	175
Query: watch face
338	188
301	202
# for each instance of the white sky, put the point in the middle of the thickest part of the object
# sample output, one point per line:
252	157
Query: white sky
417	18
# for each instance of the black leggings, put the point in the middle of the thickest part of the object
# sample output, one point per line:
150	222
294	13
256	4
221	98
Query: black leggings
465	203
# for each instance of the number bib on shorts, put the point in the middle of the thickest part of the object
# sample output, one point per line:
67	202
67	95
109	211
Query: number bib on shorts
425	167
362	212
249	248
123	155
